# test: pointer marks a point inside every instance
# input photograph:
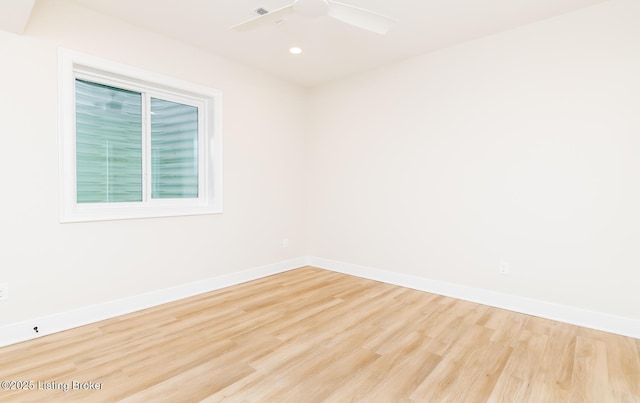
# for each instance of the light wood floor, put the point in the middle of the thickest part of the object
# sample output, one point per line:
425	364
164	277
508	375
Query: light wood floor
311	335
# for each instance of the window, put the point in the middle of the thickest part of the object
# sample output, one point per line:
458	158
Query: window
134	144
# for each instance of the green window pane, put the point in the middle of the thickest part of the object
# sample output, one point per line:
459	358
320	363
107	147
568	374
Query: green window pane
174	150
108	144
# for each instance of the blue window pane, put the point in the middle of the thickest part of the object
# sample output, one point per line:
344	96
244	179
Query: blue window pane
108	144
174	150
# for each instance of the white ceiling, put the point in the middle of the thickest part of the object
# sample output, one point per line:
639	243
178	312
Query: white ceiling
14	15
331	49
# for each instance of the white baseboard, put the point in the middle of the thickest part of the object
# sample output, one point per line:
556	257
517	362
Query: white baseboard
561	313
22	331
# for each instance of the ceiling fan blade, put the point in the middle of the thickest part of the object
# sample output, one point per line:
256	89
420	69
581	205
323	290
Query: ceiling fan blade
263	19
361	18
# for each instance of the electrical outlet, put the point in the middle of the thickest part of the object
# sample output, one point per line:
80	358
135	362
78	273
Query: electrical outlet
285	242
4	291
503	268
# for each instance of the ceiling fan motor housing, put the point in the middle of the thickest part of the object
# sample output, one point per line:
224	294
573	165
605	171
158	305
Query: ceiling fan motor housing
352	15
311	8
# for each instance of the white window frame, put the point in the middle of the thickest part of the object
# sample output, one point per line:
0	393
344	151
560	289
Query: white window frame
74	65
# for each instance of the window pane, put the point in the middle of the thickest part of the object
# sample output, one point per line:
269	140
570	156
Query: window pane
108	144
174	150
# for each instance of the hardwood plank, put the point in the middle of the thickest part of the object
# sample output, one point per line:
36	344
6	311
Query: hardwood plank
312	335
555	371
590	382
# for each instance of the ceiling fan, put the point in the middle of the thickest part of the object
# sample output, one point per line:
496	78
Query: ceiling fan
358	17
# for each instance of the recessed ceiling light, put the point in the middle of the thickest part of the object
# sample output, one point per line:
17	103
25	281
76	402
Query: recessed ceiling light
295	50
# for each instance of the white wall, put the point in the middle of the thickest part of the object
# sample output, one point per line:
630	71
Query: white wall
53	267
521	147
